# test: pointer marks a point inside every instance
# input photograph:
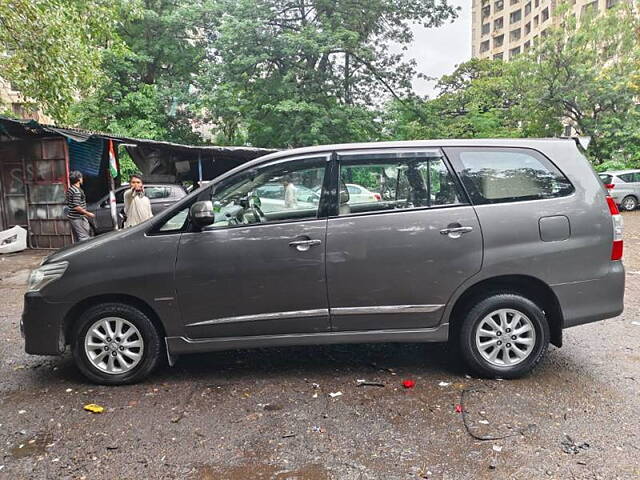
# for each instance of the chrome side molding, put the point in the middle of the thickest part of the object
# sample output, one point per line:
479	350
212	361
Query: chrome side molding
385	309
317	312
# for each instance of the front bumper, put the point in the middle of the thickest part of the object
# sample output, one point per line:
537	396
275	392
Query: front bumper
42	325
592	300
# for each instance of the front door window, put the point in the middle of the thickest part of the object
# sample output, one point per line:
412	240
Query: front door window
275	193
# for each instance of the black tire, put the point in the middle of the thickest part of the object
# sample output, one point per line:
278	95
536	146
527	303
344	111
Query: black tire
629	203
152	341
473	319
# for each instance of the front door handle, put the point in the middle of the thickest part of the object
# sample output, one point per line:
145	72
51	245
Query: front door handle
304	245
456	232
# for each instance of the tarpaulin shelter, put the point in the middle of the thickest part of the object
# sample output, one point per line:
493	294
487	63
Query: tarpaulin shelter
35	160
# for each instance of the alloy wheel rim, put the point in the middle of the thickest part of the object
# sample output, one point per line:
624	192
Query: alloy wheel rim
113	345
505	337
629	204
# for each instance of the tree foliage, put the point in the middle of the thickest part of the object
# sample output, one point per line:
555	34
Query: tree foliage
286	73
148	89
580	74
585	73
52	49
299	72
480	99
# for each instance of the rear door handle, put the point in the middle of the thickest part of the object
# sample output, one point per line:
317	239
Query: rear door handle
304	245
455	232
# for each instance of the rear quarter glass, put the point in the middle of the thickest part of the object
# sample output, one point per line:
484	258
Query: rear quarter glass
500	175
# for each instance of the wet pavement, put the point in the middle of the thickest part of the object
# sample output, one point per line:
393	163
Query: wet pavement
268	413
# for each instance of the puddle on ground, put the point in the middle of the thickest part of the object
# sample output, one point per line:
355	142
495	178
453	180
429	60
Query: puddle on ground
260	472
33	446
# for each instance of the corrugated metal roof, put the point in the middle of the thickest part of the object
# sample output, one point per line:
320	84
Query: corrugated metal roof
30	128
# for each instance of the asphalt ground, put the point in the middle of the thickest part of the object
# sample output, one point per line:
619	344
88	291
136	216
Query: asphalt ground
270	413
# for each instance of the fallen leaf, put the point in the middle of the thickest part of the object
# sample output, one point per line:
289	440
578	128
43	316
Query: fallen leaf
93	408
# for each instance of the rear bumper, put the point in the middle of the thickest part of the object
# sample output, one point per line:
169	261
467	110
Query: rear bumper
42	325
592	300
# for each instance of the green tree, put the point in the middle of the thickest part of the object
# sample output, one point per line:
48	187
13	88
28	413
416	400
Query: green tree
51	49
480	99
298	72
585	72
148	88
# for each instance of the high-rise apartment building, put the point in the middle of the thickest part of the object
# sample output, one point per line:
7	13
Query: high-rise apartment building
505	28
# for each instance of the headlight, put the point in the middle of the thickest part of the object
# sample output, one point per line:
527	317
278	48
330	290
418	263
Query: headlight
44	275
9	240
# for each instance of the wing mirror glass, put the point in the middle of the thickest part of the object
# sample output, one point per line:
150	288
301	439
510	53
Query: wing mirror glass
202	214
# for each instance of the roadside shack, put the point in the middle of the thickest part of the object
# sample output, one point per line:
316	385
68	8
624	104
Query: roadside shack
35	160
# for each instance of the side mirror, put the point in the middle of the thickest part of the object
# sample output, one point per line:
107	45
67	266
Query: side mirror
201	213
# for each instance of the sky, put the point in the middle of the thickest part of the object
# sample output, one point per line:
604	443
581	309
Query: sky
438	50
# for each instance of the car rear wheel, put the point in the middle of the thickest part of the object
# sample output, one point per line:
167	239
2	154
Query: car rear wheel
504	335
116	344
629	203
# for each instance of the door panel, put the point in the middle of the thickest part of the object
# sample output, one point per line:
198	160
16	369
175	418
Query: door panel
395	259
396	270
250	281
253	273
103	220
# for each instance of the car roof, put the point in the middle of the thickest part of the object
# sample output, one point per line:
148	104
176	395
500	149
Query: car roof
465	142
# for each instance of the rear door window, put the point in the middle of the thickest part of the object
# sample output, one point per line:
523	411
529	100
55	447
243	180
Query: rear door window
395	181
626	177
497	175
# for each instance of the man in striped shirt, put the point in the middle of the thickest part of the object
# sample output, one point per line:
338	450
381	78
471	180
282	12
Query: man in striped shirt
77	209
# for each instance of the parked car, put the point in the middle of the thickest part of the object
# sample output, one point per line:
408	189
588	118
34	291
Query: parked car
624	187
495	245
357	193
160	195
272	197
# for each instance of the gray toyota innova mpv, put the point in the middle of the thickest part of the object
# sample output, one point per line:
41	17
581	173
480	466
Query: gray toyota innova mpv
495	245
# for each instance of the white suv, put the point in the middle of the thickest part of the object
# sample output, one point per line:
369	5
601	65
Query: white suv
624	187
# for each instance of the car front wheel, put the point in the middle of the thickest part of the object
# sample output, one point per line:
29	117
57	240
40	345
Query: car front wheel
116	344
504	335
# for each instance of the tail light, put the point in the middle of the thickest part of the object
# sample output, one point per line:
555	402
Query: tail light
609	186
377	196
616	249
